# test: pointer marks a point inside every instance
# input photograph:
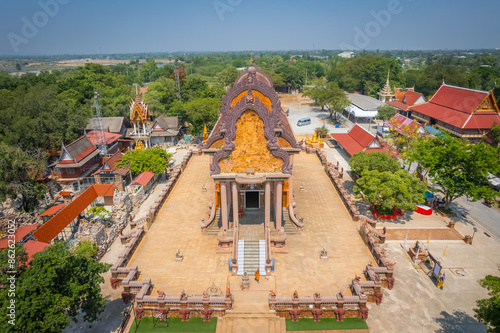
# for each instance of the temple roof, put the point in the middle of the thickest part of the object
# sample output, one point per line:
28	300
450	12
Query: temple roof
263	128
77	151
406	100
110	124
138	111
165	122
461	107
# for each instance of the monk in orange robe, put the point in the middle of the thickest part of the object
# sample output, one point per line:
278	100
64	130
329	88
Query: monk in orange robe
257	275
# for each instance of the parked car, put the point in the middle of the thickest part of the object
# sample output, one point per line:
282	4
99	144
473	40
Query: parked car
304	121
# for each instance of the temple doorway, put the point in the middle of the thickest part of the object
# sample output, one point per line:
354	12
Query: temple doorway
252	199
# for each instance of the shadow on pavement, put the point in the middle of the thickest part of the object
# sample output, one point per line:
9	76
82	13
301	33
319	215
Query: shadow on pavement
458	321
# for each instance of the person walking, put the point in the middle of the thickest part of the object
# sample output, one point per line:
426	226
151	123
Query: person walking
257	275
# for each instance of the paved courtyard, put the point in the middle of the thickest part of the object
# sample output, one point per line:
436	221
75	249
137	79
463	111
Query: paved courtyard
327	225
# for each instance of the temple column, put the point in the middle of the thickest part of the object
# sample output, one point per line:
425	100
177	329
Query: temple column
235	204
267	207
223	206
279	205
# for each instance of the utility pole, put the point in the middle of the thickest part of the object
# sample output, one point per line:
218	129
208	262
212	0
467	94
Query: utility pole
97	126
177	84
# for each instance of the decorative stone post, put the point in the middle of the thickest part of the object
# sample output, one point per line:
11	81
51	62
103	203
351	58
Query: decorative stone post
279	205
223	207
267	208
235	203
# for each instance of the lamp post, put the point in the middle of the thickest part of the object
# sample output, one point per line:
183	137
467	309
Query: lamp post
475	230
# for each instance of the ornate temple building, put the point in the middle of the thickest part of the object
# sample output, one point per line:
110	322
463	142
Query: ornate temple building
139	117
251	152
462	112
386	94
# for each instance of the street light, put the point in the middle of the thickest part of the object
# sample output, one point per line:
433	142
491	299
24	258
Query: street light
475	230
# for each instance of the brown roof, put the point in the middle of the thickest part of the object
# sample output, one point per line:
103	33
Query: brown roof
166	122
78	149
56	224
110	124
356	140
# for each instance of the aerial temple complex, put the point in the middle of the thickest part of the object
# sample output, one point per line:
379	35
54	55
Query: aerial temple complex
254	175
251	152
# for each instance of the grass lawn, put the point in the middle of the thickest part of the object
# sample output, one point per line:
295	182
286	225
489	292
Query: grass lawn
195	324
308	324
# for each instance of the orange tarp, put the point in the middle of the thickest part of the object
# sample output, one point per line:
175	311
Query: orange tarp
61	220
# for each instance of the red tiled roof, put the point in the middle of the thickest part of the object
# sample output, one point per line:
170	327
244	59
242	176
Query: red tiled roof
57	223
33	247
110	137
399	105
356	140
19	234
144	178
65	193
399	121
110	162
411	97
457	106
457	98
52	210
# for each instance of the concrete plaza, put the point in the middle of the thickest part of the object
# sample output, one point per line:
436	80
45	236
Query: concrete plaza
328	225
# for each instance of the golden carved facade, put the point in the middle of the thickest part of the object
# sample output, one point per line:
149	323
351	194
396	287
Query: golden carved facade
283	143
250	148
265	100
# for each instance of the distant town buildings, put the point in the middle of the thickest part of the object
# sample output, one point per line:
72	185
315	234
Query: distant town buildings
347	55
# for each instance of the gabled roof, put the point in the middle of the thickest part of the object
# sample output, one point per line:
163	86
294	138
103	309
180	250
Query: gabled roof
144	178
399	122
77	150
19	234
110	137
110	124
56	224
164	122
365	103
461	107
109	164
406	100
356	140
52	210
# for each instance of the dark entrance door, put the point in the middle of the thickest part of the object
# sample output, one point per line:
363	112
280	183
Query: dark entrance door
252	199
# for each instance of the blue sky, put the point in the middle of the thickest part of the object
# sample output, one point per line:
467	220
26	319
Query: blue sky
91	26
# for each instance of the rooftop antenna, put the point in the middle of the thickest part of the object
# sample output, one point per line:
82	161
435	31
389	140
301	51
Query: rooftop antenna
97	125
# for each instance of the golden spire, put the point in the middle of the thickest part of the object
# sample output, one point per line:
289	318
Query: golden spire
205	134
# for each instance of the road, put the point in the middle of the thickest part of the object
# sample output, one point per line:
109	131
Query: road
487	218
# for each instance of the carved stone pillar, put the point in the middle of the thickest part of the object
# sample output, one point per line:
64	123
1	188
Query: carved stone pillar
234	189
223	206
267	207
279	205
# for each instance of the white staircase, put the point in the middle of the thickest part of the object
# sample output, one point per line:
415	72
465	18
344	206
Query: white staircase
251	256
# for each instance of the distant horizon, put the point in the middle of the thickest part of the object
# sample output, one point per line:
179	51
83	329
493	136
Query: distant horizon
71	27
244	51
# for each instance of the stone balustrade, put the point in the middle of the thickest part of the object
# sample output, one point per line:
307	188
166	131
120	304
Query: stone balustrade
151	305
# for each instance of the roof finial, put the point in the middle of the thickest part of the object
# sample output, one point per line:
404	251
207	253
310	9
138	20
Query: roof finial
443	79
251	58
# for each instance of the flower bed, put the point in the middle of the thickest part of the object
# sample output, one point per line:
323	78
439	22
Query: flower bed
395	214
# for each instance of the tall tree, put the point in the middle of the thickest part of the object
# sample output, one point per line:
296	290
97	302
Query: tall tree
386	112
59	285
488	309
380	161
386	190
138	161
18	175
457	167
